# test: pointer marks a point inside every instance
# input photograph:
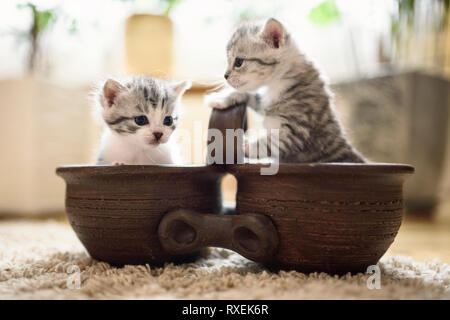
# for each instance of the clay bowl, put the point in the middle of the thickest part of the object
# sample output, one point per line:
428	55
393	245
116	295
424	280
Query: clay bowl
116	210
157	214
335	218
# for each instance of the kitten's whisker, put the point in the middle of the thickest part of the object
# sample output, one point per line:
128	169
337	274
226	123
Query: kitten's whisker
217	87
212	85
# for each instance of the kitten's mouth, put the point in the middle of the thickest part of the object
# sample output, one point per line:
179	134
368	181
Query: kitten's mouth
154	143
237	85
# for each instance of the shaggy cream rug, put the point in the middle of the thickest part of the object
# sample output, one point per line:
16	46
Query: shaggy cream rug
45	260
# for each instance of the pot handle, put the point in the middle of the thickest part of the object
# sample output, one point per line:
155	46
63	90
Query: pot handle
252	235
234	117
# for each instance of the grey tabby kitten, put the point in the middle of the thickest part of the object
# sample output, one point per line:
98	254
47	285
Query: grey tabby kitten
140	115
272	76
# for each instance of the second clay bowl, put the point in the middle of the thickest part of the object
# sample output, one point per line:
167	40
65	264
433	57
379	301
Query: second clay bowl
333	217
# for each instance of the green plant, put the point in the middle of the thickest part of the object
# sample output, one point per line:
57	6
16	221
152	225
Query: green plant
407	15
170	5
417	28
41	21
325	13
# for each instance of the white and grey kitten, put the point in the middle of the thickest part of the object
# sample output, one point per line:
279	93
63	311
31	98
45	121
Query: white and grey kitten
140	115
272	76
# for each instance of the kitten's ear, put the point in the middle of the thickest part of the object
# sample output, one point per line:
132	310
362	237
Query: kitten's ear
111	89
180	87
273	33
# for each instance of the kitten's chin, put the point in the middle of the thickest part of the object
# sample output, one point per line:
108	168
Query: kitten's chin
153	144
245	86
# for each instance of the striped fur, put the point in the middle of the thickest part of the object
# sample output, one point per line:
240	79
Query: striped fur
124	141
279	82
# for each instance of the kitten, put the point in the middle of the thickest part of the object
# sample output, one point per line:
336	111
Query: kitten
273	77
140	115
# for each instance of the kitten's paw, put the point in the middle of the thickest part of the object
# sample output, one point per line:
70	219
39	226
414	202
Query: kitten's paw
218	104
117	163
224	101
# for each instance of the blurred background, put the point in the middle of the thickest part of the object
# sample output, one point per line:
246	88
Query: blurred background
388	62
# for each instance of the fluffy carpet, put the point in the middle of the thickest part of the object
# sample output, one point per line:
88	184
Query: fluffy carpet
45	260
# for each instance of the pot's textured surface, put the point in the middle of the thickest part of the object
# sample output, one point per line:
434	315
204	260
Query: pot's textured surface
115	210
335	218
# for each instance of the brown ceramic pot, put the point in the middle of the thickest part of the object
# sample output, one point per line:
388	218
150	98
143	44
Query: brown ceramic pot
116	210
155	214
335	218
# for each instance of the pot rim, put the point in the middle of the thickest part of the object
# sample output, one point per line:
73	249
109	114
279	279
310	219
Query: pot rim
99	170
289	168
327	168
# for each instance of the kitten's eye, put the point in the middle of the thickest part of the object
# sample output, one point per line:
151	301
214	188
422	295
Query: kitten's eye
168	121
141	120
238	62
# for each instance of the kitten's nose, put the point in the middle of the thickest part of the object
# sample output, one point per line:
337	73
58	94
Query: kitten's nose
157	135
226	75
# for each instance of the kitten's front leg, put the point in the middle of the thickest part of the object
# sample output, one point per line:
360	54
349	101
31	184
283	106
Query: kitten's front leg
277	145
226	99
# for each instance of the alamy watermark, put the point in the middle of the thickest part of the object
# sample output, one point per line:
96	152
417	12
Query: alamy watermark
373	281
221	147
74	279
